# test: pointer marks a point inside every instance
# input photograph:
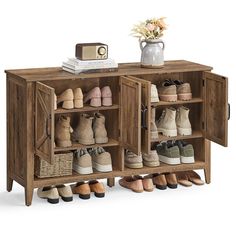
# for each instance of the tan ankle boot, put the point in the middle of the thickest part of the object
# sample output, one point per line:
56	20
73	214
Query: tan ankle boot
182	121
99	129
84	132
63	131
154	132
166	123
66	98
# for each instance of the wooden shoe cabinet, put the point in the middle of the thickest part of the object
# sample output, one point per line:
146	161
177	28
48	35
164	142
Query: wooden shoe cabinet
31	118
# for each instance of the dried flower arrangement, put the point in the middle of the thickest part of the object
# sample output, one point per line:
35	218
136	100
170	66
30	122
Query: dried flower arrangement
150	29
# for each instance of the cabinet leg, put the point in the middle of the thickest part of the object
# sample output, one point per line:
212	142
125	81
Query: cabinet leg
207	173
9	184
111	182
28	196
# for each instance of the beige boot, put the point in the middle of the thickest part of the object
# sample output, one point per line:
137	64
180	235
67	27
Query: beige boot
84	132
154	132
63	131
166	123
78	98
99	129
66	98
182	121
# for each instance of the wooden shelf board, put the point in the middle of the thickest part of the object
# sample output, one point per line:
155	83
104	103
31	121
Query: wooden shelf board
195	134
161	103
86	108
40	182
75	146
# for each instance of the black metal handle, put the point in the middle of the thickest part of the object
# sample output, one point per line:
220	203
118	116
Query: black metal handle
143	117
48	131
228	111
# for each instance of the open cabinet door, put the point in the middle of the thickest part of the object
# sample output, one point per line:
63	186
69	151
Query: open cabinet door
130	114
216	108
44	122
145	114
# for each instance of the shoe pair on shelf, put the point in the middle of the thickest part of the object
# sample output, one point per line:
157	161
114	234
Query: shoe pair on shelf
170	91
137	183
187	178
171	122
84	189
97	158
174	153
53	193
99	97
90	130
136	161
70	99
162	181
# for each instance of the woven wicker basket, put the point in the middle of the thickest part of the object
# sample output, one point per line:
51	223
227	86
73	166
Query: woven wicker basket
62	166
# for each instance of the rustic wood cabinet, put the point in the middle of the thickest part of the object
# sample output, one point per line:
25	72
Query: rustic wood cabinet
31	118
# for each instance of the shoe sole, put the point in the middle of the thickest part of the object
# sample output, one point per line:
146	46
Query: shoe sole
53	201
168	132
99	195
184	96
151	163
184	131
86	142
172	186
168	98
134	165
82	170
67	199
161	187
102	168
101	140
187	160
170	161
84	196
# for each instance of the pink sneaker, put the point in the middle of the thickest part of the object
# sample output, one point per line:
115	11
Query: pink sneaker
106	96
94	96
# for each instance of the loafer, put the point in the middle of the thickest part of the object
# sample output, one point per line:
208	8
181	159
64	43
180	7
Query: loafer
97	188
171	180
182	179
65	192
134	184
194	177
50	193
160	181
147	182
82	189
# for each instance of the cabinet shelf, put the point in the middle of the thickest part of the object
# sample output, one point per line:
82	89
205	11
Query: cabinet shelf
75	177
86	108
178	102
195	134
111	142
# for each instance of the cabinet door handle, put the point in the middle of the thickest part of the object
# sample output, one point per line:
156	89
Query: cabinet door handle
228	111
48	131
143	118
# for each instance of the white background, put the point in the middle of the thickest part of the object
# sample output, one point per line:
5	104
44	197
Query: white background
44	33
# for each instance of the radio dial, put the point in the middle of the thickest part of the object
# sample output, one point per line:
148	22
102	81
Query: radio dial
101	51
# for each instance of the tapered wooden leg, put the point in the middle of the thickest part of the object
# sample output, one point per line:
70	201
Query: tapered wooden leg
28	196
9	184
207	169
111	182
207	173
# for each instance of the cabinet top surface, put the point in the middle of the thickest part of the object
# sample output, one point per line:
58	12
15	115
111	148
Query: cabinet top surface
56	73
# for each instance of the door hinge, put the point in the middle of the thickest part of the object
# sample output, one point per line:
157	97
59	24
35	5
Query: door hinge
119	133
203	82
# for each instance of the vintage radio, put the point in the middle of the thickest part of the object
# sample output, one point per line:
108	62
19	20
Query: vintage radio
91	51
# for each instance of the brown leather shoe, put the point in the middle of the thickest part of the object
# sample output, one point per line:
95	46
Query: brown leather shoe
194	177
182	179
147	182
160	181
136	185
82	189
171	180
97	188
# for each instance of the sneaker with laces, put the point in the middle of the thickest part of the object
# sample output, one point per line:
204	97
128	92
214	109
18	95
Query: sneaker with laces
186	152
167	91
132	160
101	160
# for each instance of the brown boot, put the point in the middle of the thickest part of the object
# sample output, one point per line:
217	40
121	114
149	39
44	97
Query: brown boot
97	188
171	180
82	189
154	132
99	129
84	132
63	131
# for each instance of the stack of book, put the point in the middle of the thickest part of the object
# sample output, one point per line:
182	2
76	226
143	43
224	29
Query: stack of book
76	66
